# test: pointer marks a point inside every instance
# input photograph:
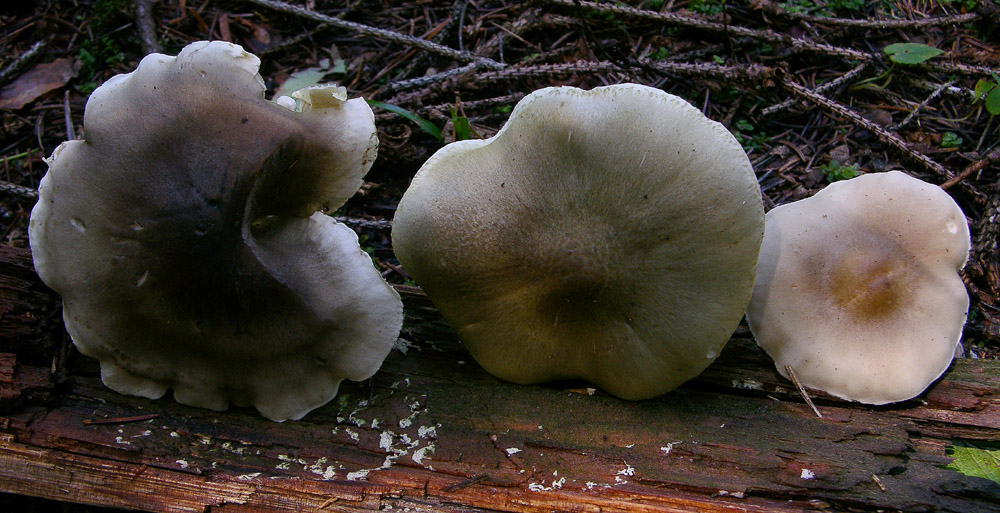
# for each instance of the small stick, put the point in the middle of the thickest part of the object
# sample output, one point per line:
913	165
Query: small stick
687	21
18	190
364	224
822	88
121	420
878	482
20	61
973	168
909	117
328	502
883	134
68	118
146	26
380	33
428	80
954	19
802	390
465	484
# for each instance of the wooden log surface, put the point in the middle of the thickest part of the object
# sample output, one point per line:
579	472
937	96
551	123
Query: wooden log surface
433	432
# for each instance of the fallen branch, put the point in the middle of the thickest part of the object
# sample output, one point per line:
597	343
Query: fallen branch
822	88
146	27
956	19
736	30
18	190
909	117
883	134
975	167
383	34
20	61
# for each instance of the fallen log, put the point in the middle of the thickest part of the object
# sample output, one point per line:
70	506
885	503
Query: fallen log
433	432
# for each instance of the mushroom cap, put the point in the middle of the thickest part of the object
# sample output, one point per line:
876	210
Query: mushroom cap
858	288
609	235
184	237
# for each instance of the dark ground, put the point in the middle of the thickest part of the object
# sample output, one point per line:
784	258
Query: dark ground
751	65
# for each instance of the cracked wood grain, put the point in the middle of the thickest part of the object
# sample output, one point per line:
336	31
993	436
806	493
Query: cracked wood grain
433	432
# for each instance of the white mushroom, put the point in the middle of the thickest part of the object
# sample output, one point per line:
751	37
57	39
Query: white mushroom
858	288
609	235
185	237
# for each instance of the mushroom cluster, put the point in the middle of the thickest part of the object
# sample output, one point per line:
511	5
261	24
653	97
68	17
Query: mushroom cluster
609	235
858	290
187	237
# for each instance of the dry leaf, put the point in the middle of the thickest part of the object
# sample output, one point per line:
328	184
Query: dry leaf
36	82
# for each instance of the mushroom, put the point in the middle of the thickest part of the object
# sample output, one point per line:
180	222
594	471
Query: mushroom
858	289
186	239
609	235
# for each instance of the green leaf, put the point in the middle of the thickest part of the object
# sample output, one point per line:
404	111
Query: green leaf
911	53
983	87
300	80
424	125
993	101
975	461
950	140
310	76
462	129
834	171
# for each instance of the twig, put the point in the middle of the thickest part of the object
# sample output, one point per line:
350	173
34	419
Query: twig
121	420
380	33
68	118
987	244
958	67
797	44
802	390
747	72
883	134
975	167
413	83
878	482
146	27
539	70
18	190
909	117
20	61
479	104
465	484
735	30
822	88
955	19
364	224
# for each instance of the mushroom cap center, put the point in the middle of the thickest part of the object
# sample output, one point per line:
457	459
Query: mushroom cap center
867	283
574	271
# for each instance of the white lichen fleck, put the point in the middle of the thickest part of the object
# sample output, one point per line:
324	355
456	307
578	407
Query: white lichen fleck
807	474
427	431
669	447
358	475
420	454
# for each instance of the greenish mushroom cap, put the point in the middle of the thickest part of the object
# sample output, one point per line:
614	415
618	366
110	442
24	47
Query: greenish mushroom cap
609	235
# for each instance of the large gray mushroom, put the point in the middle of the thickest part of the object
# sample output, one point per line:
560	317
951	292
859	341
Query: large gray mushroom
609	235
858	289
185	236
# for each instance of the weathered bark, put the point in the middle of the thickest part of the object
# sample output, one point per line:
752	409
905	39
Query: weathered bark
433	432
28	311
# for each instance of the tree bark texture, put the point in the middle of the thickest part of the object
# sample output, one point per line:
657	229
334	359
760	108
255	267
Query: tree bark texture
433	432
